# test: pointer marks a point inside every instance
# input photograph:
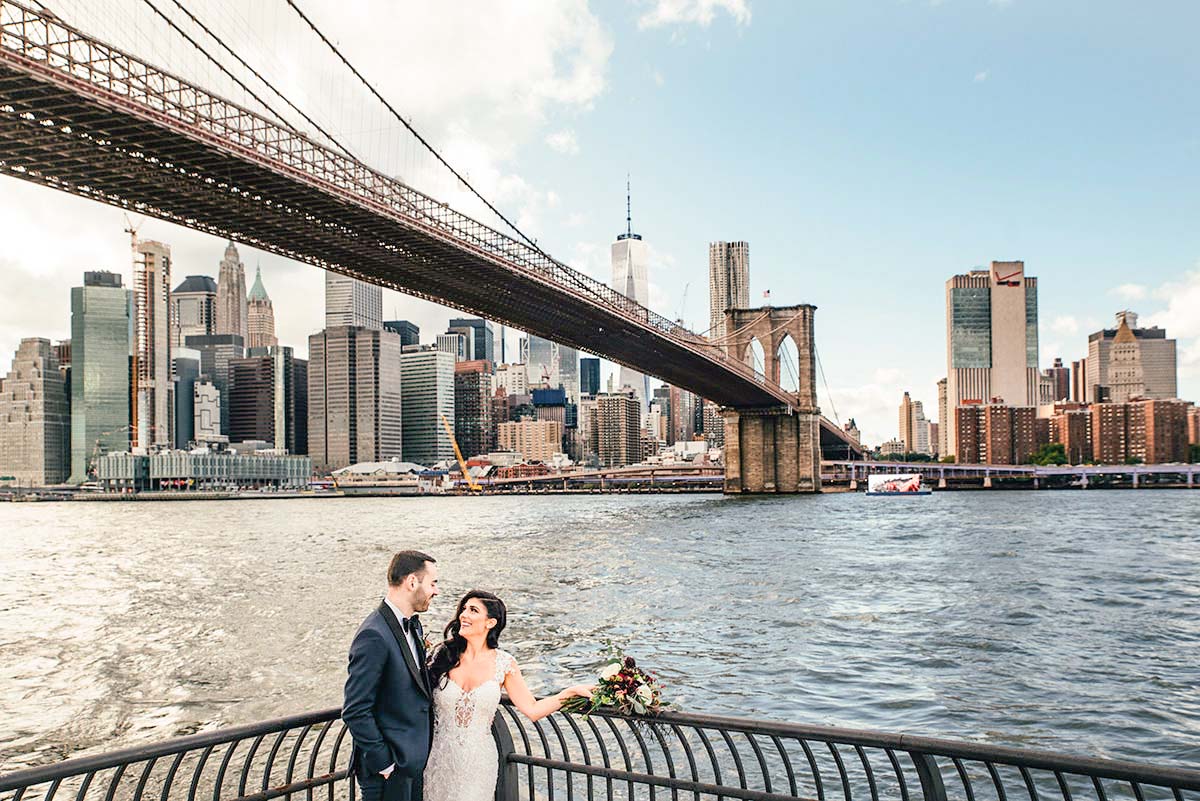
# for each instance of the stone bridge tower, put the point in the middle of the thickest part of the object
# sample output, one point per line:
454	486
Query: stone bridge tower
774	449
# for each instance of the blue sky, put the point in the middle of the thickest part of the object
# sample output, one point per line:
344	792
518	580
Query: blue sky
870	150
866	150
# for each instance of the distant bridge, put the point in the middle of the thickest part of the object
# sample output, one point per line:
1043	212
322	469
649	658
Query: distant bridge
1083	476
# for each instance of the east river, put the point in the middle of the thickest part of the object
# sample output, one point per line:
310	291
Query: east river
1063	620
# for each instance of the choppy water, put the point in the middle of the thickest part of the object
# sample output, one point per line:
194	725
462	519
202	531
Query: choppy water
1066	620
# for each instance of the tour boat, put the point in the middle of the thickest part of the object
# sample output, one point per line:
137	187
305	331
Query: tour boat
896	484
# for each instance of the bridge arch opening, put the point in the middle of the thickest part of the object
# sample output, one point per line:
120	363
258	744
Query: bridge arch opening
756	357
787	364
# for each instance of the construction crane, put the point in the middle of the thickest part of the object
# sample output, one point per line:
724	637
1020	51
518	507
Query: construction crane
462	464
138	288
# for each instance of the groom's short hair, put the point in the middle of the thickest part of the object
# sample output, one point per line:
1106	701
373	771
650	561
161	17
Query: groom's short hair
404	564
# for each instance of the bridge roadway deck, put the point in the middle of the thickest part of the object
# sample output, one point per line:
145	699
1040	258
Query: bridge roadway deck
83	117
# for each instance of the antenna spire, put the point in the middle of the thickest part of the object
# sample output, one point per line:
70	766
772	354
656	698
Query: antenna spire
628	208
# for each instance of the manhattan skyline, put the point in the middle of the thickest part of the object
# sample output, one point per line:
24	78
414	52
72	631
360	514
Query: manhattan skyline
896	145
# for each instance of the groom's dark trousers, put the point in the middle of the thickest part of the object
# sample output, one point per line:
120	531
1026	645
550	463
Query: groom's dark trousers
388	709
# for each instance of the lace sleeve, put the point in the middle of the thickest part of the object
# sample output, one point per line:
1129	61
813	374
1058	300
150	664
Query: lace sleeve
504	665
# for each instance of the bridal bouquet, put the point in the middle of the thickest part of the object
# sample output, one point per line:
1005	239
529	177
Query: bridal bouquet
624	687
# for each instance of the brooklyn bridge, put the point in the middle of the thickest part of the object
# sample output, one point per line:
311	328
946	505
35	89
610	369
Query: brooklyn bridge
84	117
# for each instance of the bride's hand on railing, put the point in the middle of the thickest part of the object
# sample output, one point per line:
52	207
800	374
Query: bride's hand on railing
577	691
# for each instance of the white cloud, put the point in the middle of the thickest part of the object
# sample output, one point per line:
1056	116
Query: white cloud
450	69
873	404
694	12
1065	325
659	80
1128	291
981	76
1181	319
563	142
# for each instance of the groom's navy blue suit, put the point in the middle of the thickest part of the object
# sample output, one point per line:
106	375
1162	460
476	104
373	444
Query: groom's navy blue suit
388	708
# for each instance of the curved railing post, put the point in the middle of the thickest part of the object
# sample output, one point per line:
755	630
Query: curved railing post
507	782
930	775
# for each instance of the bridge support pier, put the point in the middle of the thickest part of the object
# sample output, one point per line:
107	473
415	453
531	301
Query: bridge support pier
772	451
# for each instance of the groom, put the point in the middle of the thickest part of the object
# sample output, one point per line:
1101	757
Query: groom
388	706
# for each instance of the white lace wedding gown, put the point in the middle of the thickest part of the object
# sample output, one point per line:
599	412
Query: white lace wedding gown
462	762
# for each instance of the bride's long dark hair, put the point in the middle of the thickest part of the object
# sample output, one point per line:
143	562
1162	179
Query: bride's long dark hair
447	655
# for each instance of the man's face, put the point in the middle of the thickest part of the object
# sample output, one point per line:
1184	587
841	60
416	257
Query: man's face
426	587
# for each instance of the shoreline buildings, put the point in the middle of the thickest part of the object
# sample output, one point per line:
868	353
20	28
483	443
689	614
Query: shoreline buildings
153	392
260	316
1127	362
101	336
35	424
427	394
193	309
350	302
354	384
991	341
231	294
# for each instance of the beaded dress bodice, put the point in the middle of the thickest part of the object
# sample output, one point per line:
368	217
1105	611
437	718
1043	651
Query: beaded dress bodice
462	760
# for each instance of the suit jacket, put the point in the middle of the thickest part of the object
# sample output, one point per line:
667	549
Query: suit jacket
388	702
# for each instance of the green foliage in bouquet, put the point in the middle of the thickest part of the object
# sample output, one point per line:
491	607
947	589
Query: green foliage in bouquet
623	687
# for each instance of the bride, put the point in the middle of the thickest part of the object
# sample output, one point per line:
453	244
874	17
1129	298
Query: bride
467	672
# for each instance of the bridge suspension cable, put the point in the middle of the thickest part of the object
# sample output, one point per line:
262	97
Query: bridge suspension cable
338	144
531	242
828	394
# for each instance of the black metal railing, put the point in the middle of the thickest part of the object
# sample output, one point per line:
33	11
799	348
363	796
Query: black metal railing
606	756
301	757
686	756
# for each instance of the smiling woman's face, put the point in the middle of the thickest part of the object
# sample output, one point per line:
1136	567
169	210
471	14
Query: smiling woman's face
473	620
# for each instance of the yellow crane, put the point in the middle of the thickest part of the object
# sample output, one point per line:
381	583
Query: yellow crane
462	463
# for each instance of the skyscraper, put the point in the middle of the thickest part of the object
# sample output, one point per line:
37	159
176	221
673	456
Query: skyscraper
216	353
353	396
728	283
541	359
683	414
1142	350
410	333
473	426
260	316
427	395
153	392
34	422
589	376
914	427
456	344
629	271
943	427
991	340
185	370
101	339
616	429
349	301
483	337
268	398
568	372
1060	379
193	309
231	295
